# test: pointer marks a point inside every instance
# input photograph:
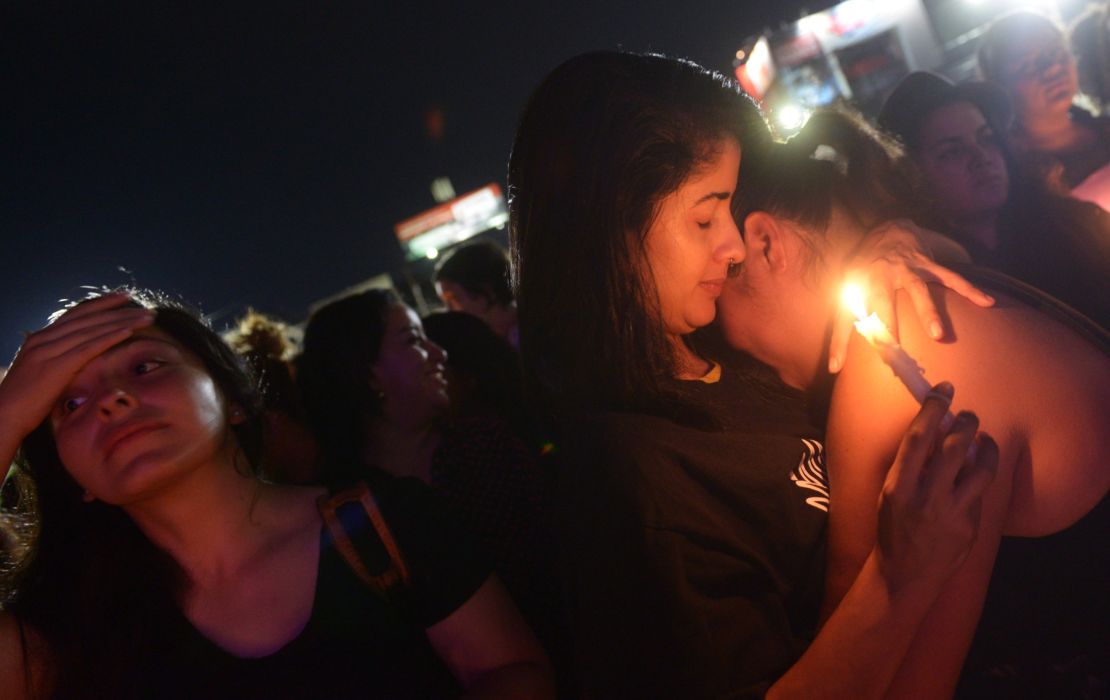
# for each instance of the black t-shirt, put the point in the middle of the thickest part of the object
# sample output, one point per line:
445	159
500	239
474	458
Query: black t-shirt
355	645
694	558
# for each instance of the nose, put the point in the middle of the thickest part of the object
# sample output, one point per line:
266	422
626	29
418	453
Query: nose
981	155
435	352
730	248
115	402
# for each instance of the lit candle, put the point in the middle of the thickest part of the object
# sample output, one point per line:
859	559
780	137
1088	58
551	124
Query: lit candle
871	327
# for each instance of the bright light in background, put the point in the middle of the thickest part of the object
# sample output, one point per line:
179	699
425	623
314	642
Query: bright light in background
432	253
790	117
1047	6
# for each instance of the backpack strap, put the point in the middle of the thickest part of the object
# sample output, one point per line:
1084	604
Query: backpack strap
349	514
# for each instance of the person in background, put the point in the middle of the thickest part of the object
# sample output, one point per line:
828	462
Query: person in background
378	400
1089	38
1035	379
162	566
291	455
691	496
964	181
474	278
1027	55
483	371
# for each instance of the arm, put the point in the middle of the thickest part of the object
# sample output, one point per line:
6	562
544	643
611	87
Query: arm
490	649
928	515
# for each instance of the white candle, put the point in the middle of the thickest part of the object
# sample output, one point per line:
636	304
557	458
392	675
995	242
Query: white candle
895	356
871	327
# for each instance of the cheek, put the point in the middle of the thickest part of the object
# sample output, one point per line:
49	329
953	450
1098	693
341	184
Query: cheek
204	407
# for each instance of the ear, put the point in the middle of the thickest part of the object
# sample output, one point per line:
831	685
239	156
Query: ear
765	237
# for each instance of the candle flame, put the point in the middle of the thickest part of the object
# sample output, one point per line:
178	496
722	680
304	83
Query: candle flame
871	327
852	297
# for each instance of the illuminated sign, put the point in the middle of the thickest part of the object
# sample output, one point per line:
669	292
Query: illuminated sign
424	235
758	72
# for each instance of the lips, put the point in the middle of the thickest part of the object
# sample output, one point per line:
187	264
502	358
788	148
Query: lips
713	286
116	436
437	375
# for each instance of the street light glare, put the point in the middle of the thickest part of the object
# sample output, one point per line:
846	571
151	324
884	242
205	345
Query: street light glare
790	117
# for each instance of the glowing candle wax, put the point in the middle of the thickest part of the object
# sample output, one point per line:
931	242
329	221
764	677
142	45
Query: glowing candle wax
877	335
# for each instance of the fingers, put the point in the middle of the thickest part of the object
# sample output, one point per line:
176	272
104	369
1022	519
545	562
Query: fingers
66	326
917	443
958	284
92	341
92	306
923	304
978	471
838	343
952	451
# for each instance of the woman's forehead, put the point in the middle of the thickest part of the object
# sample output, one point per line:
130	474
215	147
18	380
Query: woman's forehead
1028	43
950	119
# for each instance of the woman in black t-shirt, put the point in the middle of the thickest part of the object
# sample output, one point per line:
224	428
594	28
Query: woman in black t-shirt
161	566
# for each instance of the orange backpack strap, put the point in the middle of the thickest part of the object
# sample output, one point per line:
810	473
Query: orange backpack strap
346	513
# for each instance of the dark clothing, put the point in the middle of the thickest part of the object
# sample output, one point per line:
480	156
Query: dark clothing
1045	629
491	480
694	557
1057	244
355	645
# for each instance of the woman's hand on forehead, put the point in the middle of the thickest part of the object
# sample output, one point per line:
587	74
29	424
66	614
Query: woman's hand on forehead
51	357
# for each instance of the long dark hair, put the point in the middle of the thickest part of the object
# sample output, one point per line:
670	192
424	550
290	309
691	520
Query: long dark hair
95	588
342	342
601	142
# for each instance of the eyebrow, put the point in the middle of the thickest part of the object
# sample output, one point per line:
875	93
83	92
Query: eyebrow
126	342
951	139
723	196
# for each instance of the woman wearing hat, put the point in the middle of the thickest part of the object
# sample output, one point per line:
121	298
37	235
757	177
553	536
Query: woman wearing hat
972	190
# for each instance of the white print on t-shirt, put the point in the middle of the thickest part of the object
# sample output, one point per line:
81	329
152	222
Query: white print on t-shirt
810	474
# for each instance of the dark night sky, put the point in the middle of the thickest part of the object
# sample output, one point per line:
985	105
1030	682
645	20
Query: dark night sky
260	153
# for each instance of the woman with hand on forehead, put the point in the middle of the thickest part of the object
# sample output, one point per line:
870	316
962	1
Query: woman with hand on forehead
692	493
161	566
1036	374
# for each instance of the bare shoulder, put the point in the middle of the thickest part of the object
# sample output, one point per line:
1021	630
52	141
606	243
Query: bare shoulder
1039	389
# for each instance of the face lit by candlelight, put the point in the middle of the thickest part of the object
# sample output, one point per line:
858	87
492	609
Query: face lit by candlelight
779	307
